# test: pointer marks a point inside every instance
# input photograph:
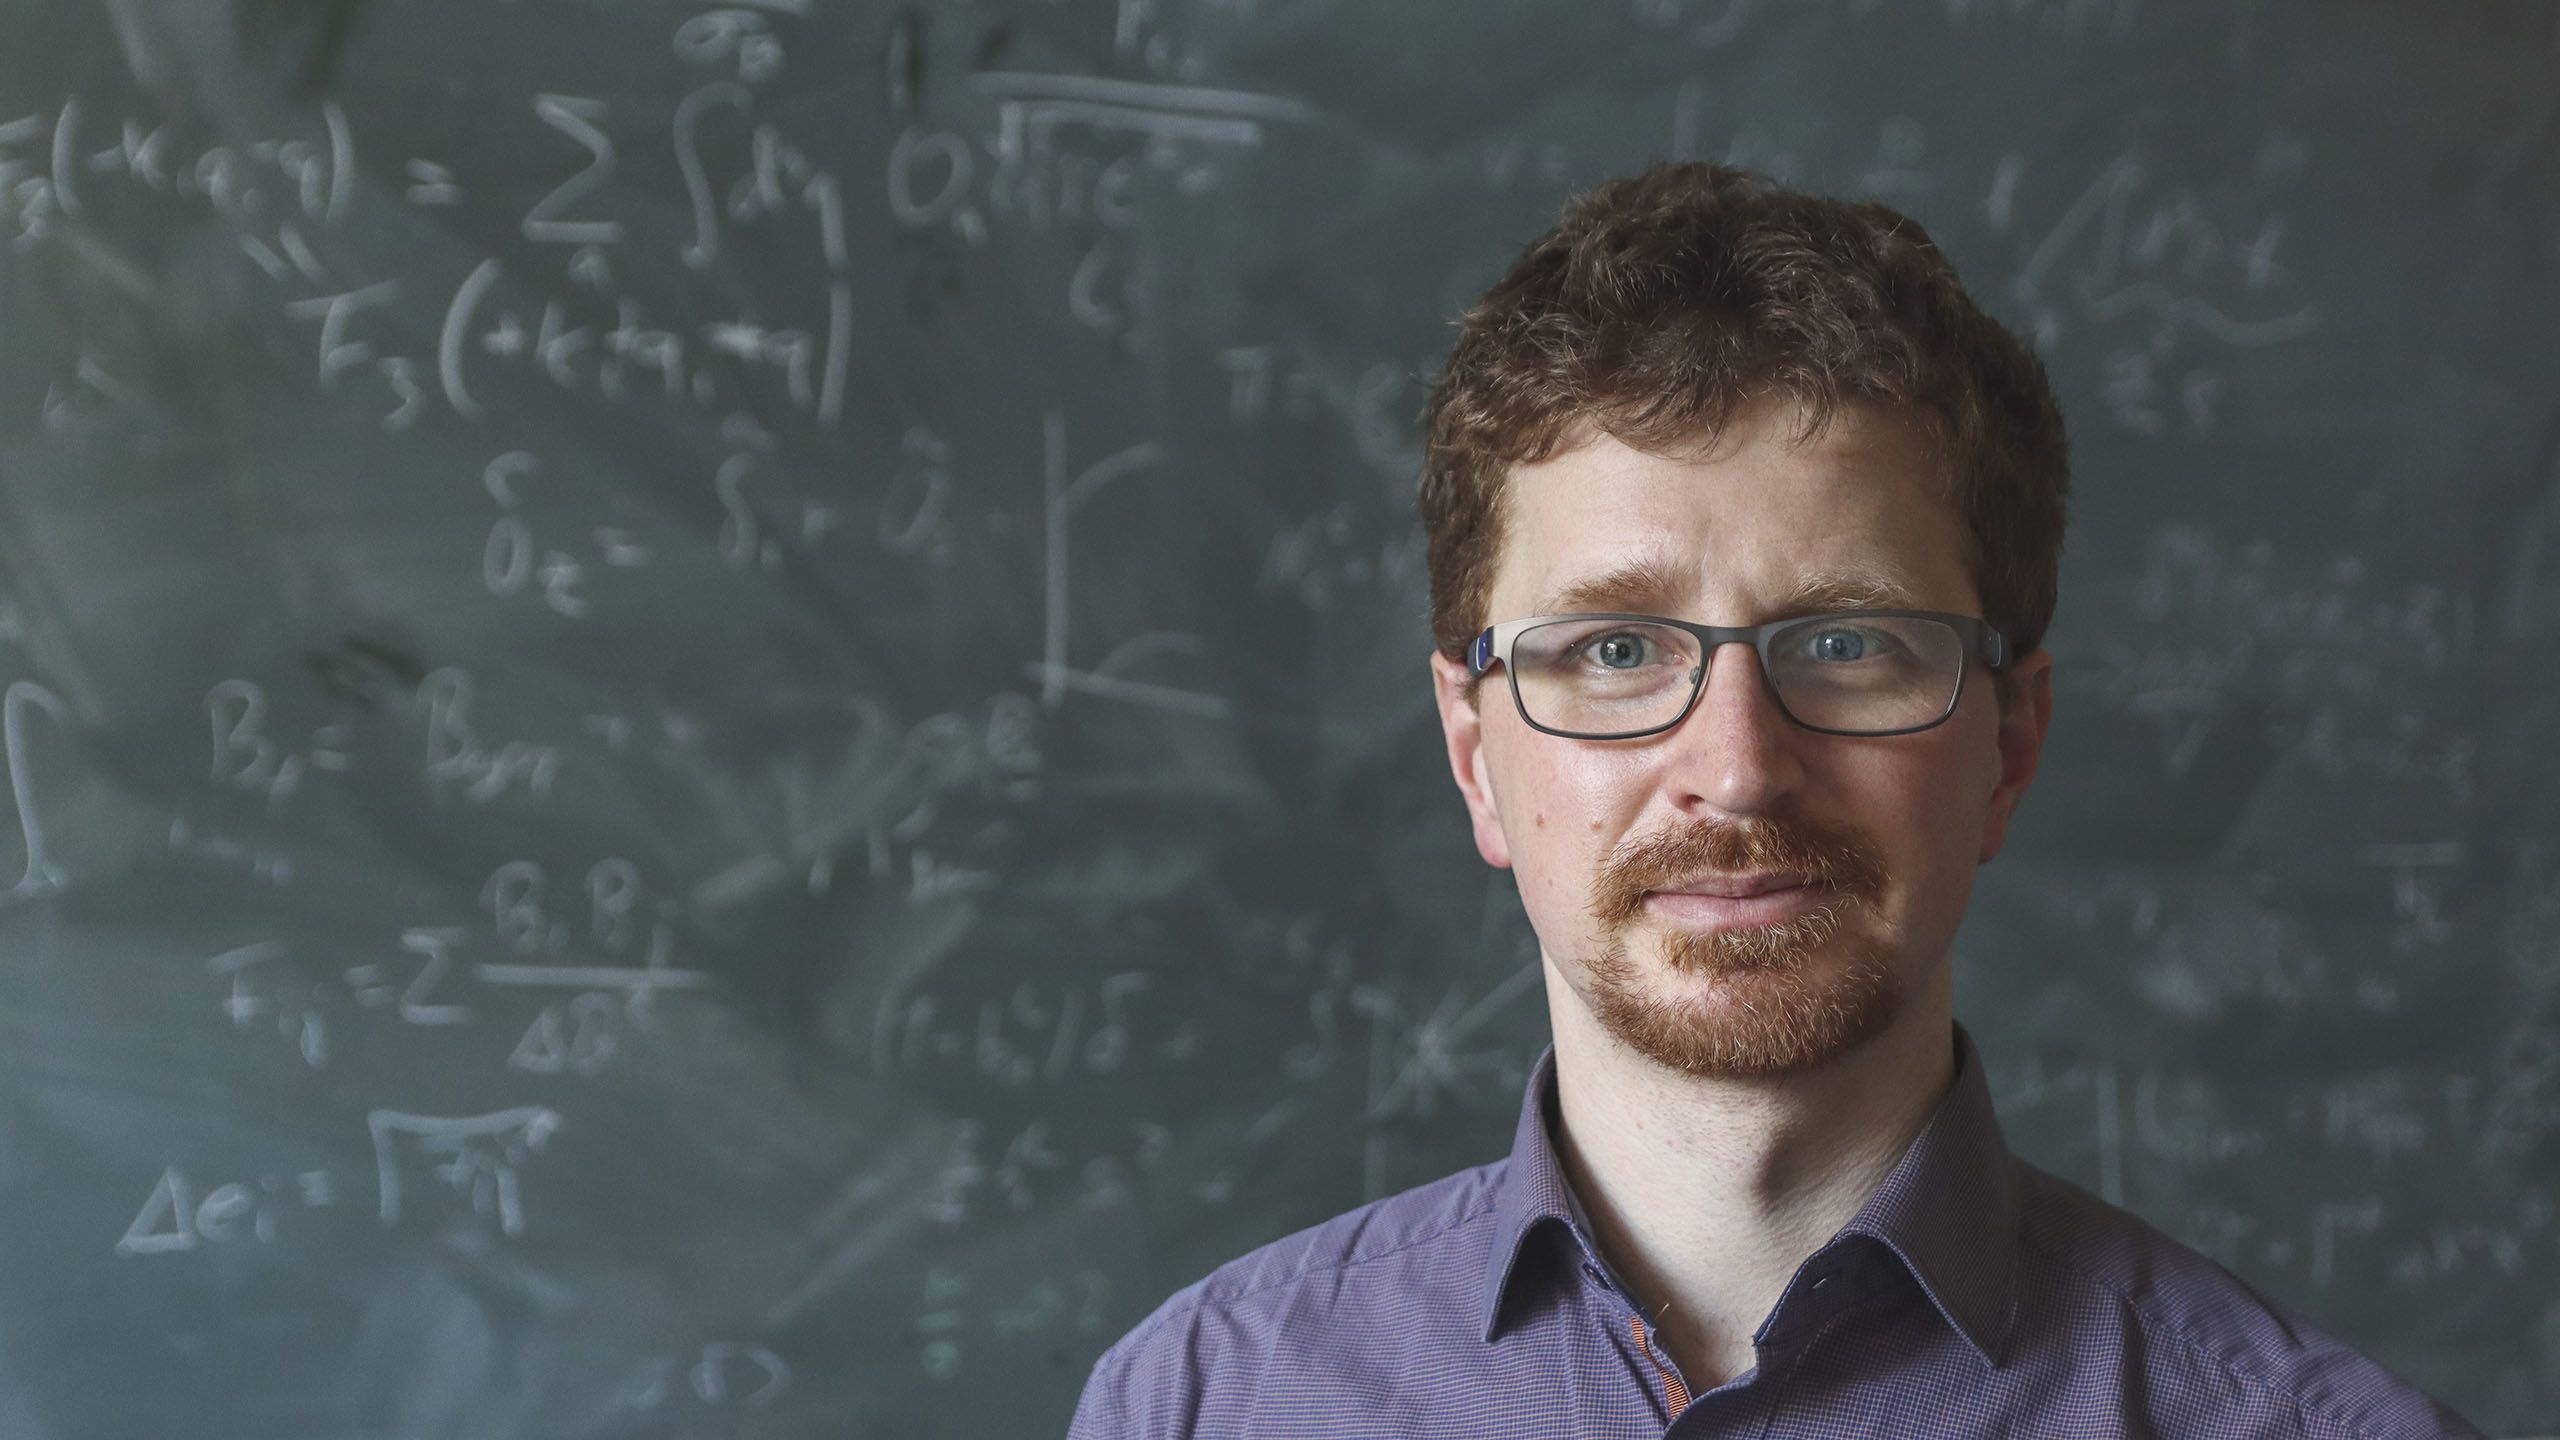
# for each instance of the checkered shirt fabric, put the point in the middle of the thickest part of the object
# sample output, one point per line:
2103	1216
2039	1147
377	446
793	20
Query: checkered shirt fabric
1972	1295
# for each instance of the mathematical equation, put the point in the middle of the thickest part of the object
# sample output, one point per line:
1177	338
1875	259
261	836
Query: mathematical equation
473	1163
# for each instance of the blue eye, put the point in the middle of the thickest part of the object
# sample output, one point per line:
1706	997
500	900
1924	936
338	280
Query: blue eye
1838	644
1621	651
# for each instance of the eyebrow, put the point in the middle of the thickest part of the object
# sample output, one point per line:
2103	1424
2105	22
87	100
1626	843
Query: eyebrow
1649	584
1850	590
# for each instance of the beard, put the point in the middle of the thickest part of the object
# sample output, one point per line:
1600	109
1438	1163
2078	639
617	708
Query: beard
1773	1004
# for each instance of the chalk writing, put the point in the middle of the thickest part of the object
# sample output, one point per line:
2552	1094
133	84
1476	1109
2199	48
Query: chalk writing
479	1158
173	1220
580	120
456	756
41	874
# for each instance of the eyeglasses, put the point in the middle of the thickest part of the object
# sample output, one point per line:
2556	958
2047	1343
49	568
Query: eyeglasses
1848	672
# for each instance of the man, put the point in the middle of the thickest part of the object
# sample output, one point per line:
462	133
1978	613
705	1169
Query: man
1744	524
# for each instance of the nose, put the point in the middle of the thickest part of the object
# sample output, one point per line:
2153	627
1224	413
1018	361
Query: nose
1735	750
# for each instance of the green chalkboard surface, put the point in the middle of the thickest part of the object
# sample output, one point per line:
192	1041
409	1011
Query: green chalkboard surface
715	714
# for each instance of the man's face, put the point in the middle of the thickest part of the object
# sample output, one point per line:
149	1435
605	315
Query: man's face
1862	849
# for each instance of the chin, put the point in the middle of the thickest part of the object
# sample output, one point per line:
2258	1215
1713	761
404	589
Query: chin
1739	1004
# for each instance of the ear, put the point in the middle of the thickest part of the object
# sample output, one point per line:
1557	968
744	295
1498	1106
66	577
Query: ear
2024	715
1462	725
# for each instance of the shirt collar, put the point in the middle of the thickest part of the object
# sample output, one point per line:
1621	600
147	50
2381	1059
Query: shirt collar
1948	1210
1533	1192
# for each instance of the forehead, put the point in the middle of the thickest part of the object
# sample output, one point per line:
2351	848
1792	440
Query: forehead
1759	521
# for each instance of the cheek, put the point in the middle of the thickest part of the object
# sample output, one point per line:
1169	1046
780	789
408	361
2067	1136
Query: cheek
1928	817
1564	824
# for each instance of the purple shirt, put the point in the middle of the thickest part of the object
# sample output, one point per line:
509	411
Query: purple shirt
1973	1294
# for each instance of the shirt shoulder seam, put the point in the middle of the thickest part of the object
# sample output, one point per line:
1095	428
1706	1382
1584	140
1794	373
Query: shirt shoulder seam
2196	1345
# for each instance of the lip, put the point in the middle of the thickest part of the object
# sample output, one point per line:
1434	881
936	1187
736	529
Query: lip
1738	887
1761	900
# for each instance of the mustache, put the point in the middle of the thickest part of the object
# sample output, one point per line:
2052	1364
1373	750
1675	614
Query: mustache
1826	853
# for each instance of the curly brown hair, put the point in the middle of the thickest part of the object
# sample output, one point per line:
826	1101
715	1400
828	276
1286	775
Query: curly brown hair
1663	304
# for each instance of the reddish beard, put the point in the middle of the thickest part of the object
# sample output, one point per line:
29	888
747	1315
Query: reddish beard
1772	1005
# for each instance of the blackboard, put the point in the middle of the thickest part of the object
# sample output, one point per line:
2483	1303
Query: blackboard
715	715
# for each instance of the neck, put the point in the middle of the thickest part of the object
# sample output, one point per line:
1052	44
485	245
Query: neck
1707	1193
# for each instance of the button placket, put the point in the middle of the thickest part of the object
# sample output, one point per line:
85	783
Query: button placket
1675	1391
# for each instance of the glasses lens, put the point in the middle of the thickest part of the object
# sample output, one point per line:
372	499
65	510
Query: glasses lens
1867	673
1603	677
